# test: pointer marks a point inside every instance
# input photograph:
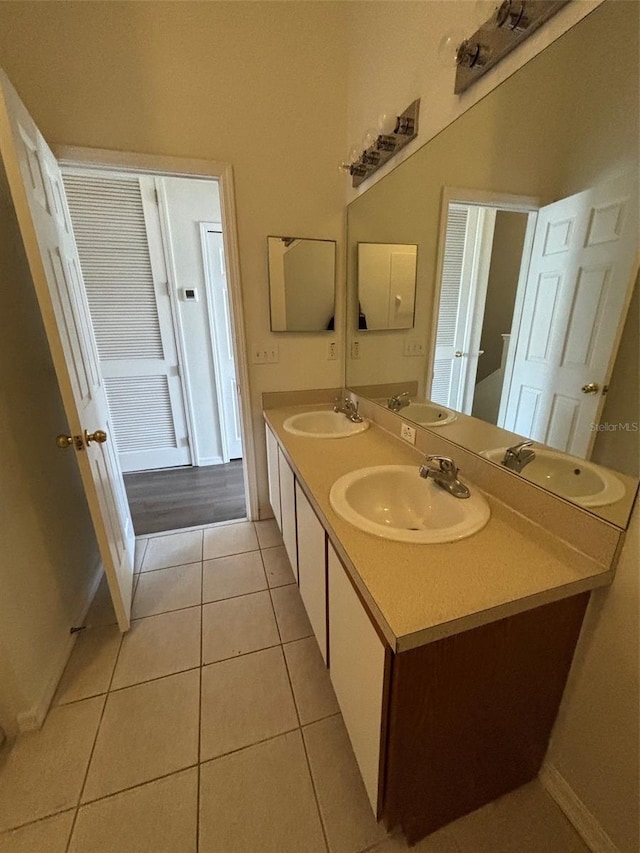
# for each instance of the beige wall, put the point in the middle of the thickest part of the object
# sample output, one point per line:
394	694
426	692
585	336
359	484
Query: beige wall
259	85
506	259
595	744
49	557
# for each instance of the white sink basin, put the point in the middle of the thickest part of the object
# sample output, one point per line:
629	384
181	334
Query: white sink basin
394	502
572	478
323	424
428	414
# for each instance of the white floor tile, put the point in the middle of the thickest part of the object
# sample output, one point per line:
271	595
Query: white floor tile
175	549
230	539
293	622
245	700
91	664
44	771
239	574
268	534
277	566
310	680
346	813
159	645
147	731
45	836
237	626
260	800
168	589
159	817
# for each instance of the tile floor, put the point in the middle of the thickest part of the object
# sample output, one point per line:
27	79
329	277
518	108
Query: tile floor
212	726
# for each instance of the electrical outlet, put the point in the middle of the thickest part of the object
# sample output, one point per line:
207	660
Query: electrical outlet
408	433
355	349
265	354
332	351
413	347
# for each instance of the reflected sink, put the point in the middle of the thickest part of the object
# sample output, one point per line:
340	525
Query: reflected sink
323	424
428	414
572	478
394	502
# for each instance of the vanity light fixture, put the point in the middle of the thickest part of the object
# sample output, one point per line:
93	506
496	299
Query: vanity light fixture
380	145
512	22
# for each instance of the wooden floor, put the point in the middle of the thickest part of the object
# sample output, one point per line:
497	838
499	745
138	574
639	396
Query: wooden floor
184	497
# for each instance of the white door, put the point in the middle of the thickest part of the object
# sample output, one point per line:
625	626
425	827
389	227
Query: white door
575	300
116	221
463	290
38	195
227	385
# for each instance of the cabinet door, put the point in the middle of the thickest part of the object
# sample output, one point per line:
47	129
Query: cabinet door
312	568
274	475
357	673
288	511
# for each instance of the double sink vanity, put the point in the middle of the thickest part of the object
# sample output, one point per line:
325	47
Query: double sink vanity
448	624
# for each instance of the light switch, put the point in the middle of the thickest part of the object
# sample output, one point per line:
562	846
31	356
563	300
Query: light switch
190	294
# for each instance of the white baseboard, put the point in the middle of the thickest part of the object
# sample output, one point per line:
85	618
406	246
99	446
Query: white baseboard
34	717
202	461
585	823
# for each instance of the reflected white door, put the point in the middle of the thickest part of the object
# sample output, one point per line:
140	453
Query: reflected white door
227	385
464	277
38	194
575	301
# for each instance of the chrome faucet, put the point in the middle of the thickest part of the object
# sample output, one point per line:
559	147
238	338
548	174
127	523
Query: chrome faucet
518	456
398	401
444	475
348	408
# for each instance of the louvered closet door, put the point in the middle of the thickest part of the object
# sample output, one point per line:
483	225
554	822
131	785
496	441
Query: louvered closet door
447	386
117	225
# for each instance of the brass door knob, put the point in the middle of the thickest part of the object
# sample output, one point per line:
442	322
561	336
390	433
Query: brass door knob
63	441
99	435
591	388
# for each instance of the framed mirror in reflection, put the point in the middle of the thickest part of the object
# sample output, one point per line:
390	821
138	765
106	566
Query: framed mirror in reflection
302	280
525	212
386	286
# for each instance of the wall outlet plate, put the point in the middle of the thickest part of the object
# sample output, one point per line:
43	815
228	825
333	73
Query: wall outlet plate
413	347
355	349
332	351
408	433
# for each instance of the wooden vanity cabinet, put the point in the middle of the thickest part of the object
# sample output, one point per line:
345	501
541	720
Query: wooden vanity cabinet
444	728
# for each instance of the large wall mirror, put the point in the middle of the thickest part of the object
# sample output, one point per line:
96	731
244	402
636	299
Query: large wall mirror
525	215
302	284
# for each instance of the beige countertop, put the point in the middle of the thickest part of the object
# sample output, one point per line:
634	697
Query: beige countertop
421	593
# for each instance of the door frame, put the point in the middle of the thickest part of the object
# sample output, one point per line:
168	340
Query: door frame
475	198
205	227
180	167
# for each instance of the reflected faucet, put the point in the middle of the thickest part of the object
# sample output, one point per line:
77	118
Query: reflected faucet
518	456
398	401
445	475
348	408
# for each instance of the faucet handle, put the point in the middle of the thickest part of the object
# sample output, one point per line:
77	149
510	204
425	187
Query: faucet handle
445	463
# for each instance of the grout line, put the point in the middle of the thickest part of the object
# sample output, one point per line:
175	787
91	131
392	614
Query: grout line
6	832
315	792
166	568
112	794
93	747
200	698
250	745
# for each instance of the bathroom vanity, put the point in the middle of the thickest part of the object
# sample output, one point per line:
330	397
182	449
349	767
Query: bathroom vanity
448	660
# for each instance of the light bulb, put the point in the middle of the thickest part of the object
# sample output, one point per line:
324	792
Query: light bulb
387	121
448	47
370	137
354	154
483	11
